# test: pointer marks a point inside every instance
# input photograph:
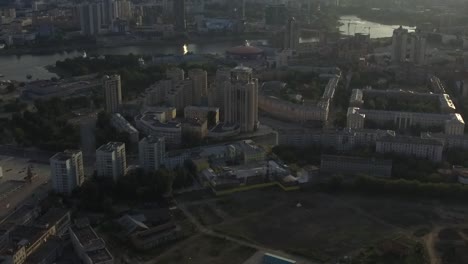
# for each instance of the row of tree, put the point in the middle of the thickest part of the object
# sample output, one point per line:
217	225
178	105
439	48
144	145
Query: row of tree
101	194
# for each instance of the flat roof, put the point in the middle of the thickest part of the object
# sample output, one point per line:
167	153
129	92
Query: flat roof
99	255
85	234
111	146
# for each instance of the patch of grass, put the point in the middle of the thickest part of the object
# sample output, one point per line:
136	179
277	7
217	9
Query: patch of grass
205	214
420	232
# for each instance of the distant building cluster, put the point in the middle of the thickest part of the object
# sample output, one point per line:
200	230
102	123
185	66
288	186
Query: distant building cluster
270	103
33	234
452	123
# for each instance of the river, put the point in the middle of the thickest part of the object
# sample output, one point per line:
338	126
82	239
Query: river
357	25
15	67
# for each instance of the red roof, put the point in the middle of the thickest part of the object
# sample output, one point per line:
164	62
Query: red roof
245	50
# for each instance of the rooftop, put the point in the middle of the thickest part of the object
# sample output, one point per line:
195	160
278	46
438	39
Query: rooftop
51	217
85	234
63	156
111	146
100	256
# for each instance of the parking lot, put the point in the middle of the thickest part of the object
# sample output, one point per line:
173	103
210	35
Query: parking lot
13	186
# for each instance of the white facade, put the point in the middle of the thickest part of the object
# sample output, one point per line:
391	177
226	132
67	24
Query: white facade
67	171
241	99
151	153
112	93
111	161
411	146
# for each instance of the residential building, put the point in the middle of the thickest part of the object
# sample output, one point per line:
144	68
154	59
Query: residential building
276	15
151	153
399	45
66	170
269	101
179	15
331	164
194	129
430	149
409	47
452	124
112	93
90	18
156	124
175	74
211	114
89	247
108	11
291	35
216	95
111	161
199	80
123	126
241	99
156	93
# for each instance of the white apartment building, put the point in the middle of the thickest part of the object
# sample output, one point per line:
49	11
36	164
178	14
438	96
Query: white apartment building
111	161
151	153
66	169
112	93
411	146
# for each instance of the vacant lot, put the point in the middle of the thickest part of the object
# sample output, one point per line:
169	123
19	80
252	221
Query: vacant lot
324	226
204	249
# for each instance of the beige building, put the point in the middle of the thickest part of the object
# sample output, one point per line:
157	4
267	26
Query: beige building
111	160
241	99
112	93
66	169
411	146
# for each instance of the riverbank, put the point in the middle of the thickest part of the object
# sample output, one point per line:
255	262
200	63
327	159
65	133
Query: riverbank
113	42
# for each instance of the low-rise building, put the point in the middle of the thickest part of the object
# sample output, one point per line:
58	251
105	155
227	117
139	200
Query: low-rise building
355	165
88	245
430	149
